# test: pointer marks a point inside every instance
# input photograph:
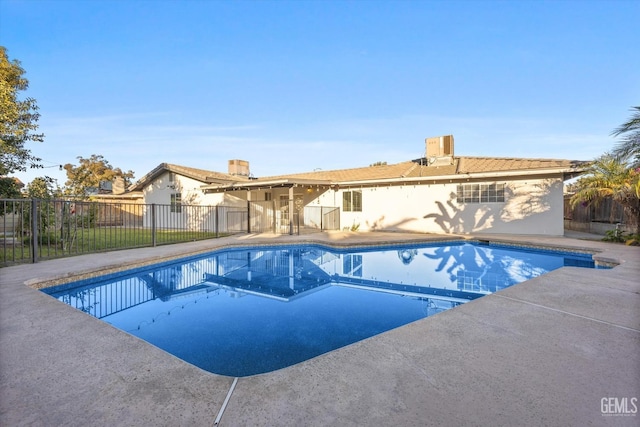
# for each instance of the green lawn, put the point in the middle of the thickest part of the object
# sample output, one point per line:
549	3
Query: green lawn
88	240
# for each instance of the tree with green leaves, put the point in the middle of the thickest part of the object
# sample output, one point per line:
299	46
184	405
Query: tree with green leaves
84	179
18	118
608	176
629	147
43	187
9	188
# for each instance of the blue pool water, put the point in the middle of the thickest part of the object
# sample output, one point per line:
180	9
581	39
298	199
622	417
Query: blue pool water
246	311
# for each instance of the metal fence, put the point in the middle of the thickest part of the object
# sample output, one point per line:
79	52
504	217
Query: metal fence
263	216
33	229
322	217
36	229
274	217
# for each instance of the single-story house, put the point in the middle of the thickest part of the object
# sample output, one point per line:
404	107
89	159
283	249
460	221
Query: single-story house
438	193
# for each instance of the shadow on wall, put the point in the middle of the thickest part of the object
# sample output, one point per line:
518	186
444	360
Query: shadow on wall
520	203
463	218
379	224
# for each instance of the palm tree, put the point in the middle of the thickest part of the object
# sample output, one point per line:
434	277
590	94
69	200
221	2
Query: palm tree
608	176
629	147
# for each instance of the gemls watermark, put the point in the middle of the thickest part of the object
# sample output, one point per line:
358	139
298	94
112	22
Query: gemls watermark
619	406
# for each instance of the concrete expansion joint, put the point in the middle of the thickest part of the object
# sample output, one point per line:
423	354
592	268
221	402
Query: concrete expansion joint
567	313
226	401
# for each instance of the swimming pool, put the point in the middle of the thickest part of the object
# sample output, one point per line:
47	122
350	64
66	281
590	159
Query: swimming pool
245	311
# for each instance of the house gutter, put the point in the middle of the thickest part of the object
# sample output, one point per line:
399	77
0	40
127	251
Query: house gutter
462	176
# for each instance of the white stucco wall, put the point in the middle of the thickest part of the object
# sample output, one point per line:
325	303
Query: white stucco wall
160	190
531	206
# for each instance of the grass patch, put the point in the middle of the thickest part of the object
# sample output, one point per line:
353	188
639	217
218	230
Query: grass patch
90	240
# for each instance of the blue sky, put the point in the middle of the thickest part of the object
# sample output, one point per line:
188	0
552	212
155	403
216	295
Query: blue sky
293	86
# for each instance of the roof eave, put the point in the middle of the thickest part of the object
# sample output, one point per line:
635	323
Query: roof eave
256	184
140	184
167	167
468	175
126	195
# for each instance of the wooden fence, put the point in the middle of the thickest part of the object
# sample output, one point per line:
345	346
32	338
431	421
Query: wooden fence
597	218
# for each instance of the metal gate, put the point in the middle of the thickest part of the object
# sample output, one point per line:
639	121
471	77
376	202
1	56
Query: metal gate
322	217
273	216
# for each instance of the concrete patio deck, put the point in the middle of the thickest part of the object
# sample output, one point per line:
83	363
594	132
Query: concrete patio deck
544	352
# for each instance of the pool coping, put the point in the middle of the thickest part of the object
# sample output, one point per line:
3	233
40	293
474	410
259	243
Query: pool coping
383	379
40	283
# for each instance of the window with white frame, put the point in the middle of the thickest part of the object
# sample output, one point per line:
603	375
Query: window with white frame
480	193
172	177
176	203
352	201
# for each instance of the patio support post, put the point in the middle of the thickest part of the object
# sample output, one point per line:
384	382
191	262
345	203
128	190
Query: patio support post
249	216
248	211
291	210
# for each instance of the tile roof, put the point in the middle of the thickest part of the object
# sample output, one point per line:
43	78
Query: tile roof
418	168
398	171
338	175
203	175
503	164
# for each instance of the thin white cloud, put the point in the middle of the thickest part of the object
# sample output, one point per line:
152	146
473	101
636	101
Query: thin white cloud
139	142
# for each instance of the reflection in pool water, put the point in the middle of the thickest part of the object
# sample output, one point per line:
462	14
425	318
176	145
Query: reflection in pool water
247	311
